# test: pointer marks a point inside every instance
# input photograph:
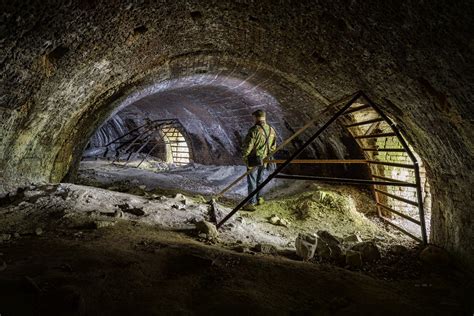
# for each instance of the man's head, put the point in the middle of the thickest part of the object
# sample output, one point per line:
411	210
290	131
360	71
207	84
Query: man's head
259	116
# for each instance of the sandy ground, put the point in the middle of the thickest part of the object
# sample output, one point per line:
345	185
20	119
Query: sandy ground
71	205
208	180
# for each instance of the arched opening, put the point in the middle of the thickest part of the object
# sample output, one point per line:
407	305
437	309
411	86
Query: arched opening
149	145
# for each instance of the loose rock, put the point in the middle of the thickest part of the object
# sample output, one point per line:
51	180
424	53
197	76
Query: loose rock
353	259
5	237
102	224
328	247
38	231
354	238
436	256
3	266
369	251
306	246
127	208
208	229
266	249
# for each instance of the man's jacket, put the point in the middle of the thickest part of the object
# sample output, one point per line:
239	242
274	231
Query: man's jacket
255	141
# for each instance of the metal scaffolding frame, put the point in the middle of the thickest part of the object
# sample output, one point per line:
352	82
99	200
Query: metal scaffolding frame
152	133
377	180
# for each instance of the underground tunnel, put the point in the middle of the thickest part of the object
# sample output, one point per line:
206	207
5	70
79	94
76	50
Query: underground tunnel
123	186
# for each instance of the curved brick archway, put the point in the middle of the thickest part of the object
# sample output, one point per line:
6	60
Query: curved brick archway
66	67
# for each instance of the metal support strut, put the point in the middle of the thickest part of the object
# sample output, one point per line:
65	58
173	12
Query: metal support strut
388	181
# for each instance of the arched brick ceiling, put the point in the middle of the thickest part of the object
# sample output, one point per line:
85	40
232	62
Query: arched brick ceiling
66	66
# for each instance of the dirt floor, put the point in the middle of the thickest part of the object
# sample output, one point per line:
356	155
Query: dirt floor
135	269
131	248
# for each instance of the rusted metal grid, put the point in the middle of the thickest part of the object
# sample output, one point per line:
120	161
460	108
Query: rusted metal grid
378	181
148	137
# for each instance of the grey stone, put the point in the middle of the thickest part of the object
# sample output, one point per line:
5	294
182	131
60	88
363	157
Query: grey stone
127	208
353	258
5	237
369	251
328	246
354	238
436	256
38	231
118	214
266	248
274	220
103	224
207	228
398	249
306	246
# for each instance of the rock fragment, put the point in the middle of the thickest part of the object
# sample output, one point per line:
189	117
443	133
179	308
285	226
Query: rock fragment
266	249
353	259
354	238
436	256
102	224
127	208
328	247
38	231
5	237
208	229
368	250
306	246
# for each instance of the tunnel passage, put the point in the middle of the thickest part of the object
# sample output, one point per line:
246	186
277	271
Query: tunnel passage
215	113
67	66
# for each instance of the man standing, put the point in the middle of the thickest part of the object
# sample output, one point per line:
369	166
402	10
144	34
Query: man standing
259	142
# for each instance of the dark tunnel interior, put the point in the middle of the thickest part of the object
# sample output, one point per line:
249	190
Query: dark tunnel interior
123	186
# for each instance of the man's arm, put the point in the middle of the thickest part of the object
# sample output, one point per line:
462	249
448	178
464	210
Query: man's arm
273	144
249	143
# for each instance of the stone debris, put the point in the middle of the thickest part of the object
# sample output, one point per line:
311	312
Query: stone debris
275	220
266	249
3	266
38	231
306	246
103	224
353	259
208	229
368	250
127	208
354	238
328	247
435	256
398	250
118	214
5	237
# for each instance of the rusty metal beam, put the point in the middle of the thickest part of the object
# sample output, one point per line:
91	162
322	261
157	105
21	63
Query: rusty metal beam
288	161
391	210
345	180
396	197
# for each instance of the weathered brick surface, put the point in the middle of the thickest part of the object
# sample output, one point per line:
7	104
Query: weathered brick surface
65	67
